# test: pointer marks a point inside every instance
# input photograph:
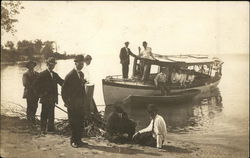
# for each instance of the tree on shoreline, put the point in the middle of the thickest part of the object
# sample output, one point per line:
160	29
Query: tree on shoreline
9	9
26	50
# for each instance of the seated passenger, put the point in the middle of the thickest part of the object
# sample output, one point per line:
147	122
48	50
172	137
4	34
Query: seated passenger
183	78
161	81
190	77
173	74
119	128
178	76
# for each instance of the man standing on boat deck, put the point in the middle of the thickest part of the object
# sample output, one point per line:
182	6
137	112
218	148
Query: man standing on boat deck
147	54
124	58
29	79
48	93
74	97
156	133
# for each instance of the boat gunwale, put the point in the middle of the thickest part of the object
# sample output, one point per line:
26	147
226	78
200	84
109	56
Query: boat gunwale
148	87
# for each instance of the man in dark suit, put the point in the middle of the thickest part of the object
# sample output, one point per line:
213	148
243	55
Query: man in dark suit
119	128
124	59
29	79
74	97
48	93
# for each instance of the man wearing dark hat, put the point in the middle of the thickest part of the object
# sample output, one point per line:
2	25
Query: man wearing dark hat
156	133
48	93
29	79
124	59
120	128
74	97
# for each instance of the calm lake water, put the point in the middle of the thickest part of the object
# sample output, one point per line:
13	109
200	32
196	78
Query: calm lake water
224	110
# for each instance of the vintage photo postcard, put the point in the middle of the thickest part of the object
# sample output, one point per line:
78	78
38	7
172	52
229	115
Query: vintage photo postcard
118	79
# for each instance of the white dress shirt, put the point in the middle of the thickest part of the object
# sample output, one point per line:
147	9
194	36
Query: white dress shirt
51	73
178	77
190	78
78	73
147	53
87	76
159	131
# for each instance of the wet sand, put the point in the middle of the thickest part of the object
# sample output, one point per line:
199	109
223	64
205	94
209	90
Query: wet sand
18	141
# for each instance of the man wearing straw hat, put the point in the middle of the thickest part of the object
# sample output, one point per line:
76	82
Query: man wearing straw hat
48	93
29	79
74	97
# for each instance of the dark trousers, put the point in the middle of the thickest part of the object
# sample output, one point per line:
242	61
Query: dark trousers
32	104
128	127
125	68
145	139
48	116
164	88
76	118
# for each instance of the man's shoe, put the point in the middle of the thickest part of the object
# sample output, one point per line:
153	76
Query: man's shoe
43	133
74	145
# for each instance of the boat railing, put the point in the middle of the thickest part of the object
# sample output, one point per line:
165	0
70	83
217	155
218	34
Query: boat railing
118	78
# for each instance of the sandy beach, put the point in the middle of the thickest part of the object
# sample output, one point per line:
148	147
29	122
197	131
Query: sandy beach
18	141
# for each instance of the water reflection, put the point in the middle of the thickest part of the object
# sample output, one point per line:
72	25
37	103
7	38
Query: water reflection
196	115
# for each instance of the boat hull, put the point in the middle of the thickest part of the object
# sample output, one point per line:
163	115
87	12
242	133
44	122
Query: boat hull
184	96
114	92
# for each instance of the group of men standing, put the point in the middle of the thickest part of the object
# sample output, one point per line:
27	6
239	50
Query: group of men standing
44	86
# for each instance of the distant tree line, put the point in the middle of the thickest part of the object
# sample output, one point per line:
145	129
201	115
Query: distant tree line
30	50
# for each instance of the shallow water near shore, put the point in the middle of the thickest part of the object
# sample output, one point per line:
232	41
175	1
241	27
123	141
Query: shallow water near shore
217	116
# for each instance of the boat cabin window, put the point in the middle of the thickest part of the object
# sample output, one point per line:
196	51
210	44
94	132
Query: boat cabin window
154	69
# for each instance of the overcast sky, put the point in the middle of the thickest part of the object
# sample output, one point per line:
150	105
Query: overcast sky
169	27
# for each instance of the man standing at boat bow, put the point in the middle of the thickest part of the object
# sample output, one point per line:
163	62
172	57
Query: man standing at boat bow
124	59
147	54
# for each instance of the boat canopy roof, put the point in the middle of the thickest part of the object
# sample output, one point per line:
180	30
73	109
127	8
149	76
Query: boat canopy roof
181	60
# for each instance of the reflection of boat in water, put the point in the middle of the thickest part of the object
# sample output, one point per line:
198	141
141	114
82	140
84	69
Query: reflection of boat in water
116	89
197	115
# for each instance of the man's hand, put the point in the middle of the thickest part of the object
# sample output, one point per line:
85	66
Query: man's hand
135	134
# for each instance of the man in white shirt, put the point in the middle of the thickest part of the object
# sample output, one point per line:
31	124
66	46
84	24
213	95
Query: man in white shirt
86	68
147	54
156	133
190	77
177	77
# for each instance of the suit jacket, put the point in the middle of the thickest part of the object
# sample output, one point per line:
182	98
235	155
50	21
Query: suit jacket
124	56
73	90
47	87
29	80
